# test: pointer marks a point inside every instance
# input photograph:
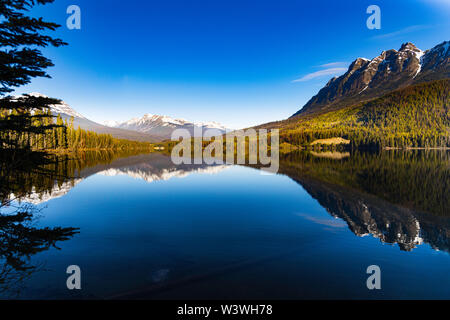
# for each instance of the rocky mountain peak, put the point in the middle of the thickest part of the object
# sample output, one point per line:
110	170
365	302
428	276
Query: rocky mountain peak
367	79
408	46
357	64
163	126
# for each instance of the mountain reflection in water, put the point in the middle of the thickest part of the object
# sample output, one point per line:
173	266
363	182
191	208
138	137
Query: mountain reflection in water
399	197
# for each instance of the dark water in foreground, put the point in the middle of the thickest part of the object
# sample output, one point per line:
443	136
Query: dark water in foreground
150	229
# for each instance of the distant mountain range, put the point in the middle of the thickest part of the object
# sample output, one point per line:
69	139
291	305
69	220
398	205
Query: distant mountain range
364	81
81	121
151	128
367	79
163	126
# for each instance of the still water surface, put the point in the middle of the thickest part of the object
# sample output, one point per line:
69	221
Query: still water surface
150	229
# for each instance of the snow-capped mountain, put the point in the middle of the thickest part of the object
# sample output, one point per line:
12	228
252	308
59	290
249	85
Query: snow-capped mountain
153	128
67	112
366	79
163	126
63	109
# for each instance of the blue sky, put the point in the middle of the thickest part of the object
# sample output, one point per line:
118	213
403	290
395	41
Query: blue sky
240	63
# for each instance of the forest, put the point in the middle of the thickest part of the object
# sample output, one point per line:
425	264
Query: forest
52	133
413	117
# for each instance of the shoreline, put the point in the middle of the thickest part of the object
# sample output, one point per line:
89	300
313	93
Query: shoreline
68	151
417	148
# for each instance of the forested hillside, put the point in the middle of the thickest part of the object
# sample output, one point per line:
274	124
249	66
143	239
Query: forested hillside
417	116
55	134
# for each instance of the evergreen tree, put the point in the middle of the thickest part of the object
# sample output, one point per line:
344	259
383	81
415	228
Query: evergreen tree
21	37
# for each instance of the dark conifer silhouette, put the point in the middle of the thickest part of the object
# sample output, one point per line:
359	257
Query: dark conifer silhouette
21	36
22	121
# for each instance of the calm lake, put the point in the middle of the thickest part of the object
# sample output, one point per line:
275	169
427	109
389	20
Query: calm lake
151	229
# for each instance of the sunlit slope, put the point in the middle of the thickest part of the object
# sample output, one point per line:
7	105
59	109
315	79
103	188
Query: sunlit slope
416	116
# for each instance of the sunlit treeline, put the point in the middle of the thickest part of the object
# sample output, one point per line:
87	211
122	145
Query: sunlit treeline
53	133
415	117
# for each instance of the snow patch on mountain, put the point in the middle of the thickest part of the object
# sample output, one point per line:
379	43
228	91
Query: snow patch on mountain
163	126
111	123
62	108
419	55
153	120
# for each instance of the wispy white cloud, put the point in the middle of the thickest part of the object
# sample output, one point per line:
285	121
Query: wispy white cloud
333	64
443	4
321	73
402	32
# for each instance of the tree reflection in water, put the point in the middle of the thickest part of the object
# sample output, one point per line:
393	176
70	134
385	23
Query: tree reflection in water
23	173
400	197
